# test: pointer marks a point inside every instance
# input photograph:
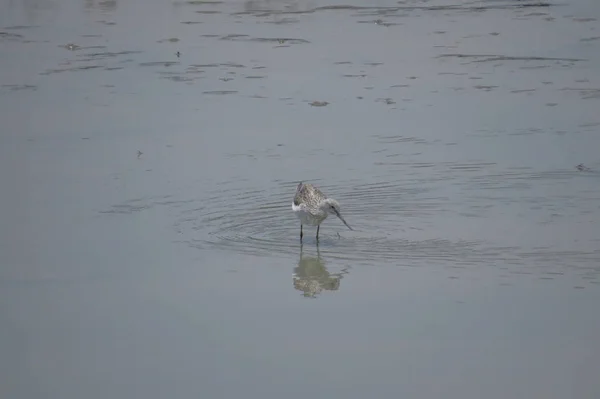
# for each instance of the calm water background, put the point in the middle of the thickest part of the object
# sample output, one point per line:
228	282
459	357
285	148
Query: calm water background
448	130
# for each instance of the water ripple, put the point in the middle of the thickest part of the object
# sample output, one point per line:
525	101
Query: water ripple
261	223
401	222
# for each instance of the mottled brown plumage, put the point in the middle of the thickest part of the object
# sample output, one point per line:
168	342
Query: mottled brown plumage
309	195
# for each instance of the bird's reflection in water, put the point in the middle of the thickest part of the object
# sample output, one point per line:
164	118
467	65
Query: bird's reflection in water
311	276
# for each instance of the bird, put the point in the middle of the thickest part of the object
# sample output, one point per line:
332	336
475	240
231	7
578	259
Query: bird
312	207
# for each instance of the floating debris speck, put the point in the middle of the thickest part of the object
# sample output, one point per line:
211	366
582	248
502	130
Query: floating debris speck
71	47
581	167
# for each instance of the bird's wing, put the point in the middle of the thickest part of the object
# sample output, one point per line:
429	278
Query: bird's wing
319	193
307	193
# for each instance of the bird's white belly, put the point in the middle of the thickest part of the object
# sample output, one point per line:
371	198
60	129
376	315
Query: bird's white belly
306	217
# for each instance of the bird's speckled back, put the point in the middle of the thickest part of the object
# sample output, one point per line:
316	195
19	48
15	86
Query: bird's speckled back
308	195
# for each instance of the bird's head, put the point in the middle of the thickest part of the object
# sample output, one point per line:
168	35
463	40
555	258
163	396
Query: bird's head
333	207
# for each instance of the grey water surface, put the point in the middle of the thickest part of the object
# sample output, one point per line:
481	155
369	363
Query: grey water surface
149	153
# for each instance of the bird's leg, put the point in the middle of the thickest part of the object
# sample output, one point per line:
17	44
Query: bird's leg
301	233
318	227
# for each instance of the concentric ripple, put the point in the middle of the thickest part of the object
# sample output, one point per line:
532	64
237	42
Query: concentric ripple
395	223
445	218
260	222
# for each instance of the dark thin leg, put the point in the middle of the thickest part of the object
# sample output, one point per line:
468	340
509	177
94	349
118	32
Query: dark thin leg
318	227
301	233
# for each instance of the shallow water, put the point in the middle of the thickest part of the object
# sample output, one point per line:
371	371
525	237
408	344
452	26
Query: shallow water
150	151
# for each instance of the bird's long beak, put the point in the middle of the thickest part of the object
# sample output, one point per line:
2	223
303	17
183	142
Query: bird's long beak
342	219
